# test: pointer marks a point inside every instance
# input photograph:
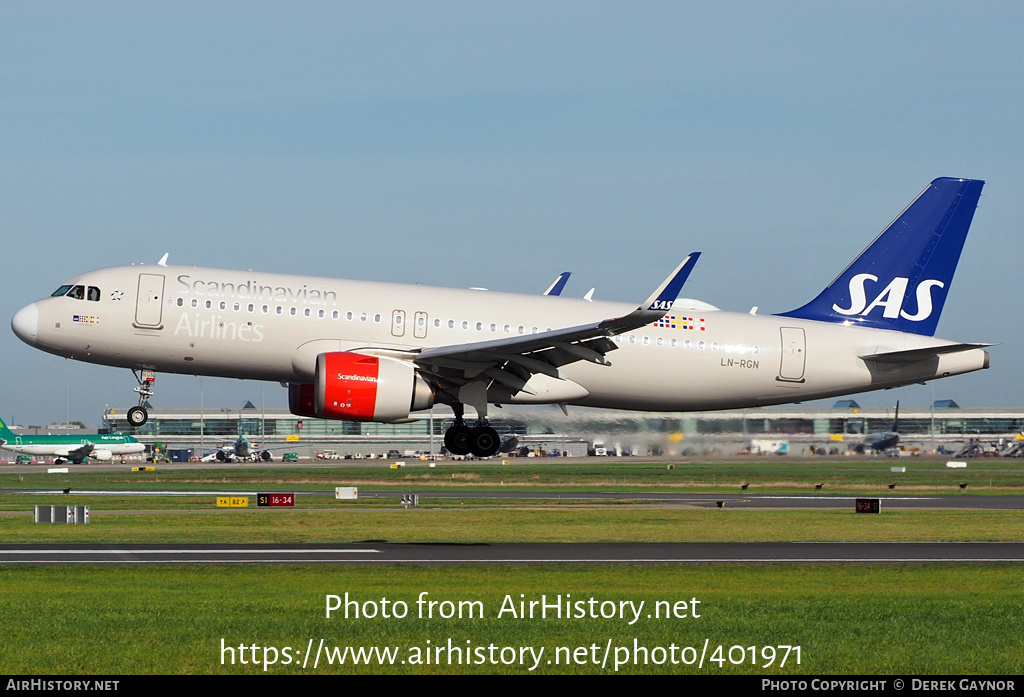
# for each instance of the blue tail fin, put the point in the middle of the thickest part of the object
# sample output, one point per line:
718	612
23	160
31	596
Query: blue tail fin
901	280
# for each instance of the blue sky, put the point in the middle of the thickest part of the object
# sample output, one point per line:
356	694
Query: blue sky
496	145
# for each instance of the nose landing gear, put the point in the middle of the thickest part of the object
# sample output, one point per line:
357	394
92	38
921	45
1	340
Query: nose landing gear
137	416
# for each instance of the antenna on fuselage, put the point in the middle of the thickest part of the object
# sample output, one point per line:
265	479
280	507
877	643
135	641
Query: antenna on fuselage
163	259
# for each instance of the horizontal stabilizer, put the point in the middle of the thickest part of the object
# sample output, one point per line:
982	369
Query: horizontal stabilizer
919	354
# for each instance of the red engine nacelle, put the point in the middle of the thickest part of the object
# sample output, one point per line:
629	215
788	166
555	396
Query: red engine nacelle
367	388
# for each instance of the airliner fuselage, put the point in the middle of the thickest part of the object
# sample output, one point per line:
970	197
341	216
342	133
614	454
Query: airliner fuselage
267	326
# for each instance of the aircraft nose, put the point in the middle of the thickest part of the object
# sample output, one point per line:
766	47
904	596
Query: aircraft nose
25	323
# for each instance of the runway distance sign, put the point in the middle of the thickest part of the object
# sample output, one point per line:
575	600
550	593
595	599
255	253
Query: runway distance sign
275	499
869	505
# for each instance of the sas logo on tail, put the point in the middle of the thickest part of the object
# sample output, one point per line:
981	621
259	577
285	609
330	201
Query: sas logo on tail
891	298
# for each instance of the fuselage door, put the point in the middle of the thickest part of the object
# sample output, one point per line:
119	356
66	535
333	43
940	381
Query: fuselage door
398	323
419	330
794	355
149	305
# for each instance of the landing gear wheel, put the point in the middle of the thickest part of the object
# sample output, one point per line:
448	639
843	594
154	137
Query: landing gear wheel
485	441
137	416
459	439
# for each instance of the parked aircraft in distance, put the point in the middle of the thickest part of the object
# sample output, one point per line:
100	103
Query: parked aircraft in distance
74	448
241	452
370	351
883	441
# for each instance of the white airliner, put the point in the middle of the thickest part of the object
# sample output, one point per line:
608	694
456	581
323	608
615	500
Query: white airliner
379	351
77	448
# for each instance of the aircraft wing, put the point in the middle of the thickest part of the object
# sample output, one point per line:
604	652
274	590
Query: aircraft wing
83	451
512	361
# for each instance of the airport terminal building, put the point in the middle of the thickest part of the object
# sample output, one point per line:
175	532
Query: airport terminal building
943	427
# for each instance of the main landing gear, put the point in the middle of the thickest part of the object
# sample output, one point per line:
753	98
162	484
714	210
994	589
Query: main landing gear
480	440
137	416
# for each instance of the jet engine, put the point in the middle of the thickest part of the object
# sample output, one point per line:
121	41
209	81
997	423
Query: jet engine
101	454
363	388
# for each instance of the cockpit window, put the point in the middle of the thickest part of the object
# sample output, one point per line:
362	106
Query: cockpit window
93	293
77	292
60	291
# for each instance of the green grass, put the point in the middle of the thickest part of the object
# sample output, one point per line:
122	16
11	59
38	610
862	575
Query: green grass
851	475
847	619
868	619
602	524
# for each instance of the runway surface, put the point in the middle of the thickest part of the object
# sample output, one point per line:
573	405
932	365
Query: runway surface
817	500
587	553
